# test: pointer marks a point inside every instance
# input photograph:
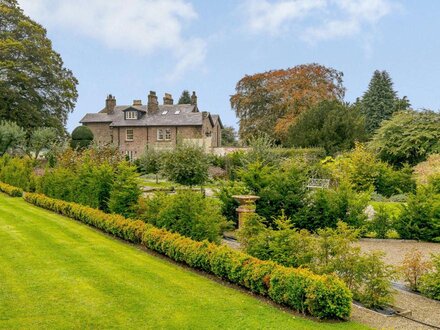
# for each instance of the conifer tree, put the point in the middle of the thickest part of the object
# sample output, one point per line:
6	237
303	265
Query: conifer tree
380	101
185	98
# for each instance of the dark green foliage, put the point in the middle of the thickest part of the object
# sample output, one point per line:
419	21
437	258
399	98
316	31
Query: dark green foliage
82	137
59	183
279	188
325	207
12	136
150	162
430	282
229	205
420	218
408	137
229	137
331	125
381	223
36	89
390	182
380	101
185	98
125	191
188	213
187	165
323	296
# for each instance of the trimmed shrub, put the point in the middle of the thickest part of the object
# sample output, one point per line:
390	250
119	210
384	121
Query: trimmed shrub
82	137
11	190
323	296
17	172
188	213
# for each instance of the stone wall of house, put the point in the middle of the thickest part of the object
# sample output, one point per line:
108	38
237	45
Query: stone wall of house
142	136
102	133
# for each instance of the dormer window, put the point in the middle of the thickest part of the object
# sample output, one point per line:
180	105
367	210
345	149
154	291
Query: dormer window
131	115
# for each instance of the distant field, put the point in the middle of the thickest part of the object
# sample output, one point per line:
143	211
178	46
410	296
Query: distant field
56	273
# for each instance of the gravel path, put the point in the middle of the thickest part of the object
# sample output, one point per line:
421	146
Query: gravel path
395	250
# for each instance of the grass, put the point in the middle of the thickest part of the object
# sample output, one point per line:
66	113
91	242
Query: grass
57	273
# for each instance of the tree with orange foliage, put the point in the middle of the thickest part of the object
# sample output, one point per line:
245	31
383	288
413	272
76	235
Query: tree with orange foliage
270	102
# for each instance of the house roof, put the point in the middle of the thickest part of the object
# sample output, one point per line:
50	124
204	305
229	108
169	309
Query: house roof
215	119
167	115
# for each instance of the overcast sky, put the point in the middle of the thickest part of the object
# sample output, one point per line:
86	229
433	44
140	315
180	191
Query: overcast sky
129	47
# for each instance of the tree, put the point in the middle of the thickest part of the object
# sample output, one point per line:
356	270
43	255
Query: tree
125	192
36	90
269	102
185	98
229	137
151	162
380	101
82	137
188	165
11	136
330	124
408	137
41	138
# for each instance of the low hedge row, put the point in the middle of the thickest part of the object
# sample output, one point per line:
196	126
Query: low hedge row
323	296
11	190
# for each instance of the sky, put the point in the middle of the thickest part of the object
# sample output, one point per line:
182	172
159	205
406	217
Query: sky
129	47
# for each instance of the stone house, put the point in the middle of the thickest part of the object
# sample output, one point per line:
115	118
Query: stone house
133	128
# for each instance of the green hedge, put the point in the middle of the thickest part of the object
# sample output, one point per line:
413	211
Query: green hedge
323	296
11	190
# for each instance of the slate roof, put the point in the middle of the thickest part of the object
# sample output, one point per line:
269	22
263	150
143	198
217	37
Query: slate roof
168	115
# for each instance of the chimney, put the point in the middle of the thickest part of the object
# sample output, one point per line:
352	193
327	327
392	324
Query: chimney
137	102
194	99
153	105
168	99
110	104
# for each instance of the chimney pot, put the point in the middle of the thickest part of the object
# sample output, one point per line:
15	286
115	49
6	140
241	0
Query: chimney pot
194	99
137	102
168	99
152	105
110	104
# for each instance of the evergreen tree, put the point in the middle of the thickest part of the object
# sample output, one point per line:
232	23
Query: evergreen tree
380	101
185	98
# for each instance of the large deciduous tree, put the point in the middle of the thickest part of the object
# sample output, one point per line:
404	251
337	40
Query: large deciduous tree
36	90
408	137
270	102
380	101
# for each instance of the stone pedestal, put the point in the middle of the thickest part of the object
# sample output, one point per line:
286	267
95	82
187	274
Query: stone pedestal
247	206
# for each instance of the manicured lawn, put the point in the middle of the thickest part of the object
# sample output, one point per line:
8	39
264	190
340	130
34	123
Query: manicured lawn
56	273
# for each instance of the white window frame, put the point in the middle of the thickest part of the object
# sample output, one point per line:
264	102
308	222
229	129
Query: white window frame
164	134
127	134
130	115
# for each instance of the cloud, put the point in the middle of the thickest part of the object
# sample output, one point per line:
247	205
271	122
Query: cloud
315	20
143	26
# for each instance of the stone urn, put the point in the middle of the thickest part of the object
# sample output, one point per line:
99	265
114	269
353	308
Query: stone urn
247	206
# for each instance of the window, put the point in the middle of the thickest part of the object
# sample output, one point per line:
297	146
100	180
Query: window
165	112
164	134
131	115
177	112
129	154
168	134
129	135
